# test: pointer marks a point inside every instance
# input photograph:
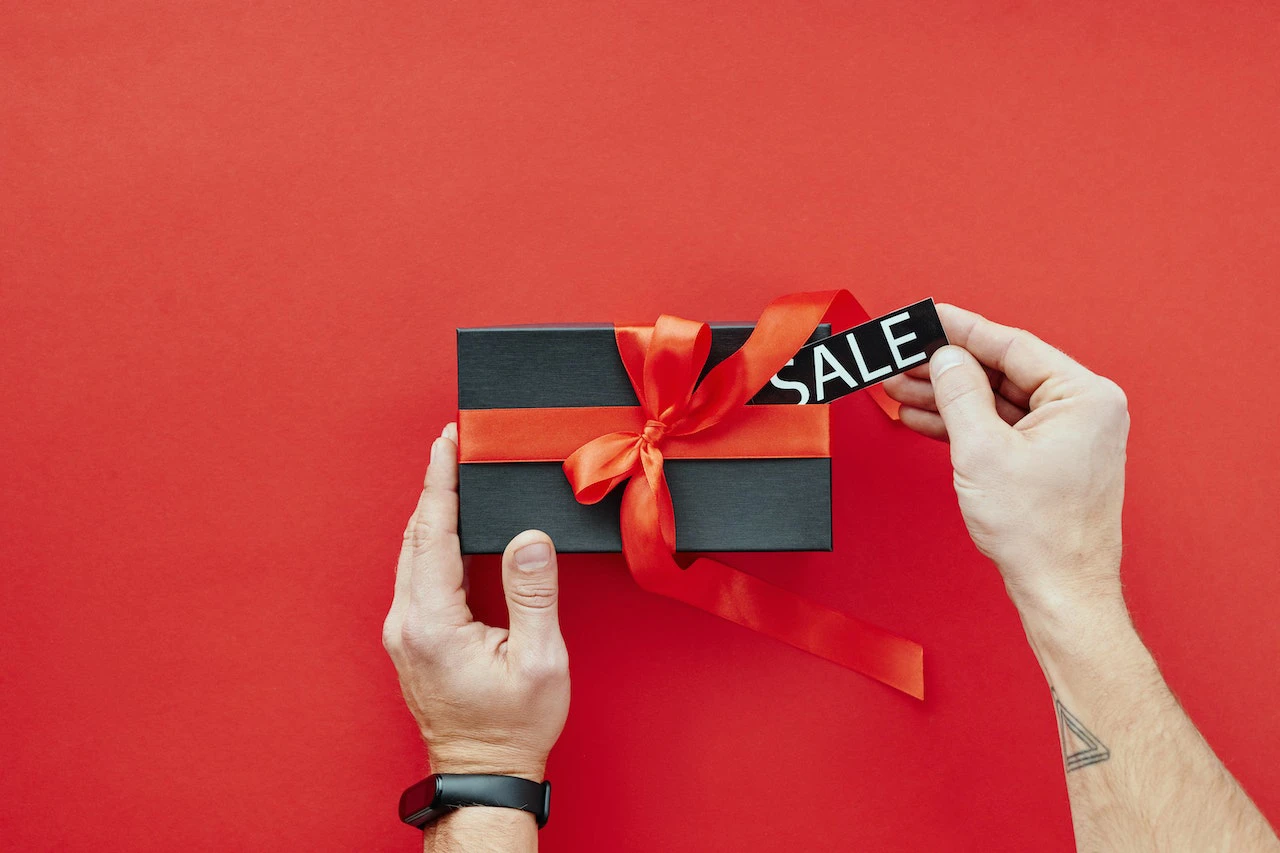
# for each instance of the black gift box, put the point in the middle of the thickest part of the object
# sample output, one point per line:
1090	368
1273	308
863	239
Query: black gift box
720	504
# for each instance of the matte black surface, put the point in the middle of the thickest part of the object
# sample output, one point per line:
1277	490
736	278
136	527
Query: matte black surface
524	367
721	505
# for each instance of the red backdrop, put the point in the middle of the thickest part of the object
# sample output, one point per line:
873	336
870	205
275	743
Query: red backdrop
235	242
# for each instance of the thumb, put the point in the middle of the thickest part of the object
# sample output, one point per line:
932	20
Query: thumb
964	397
532	587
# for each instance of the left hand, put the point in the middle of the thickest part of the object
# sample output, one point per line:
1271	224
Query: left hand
487	700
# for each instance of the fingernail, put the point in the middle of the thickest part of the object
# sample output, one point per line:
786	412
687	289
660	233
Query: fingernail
451	432
437	451
945	359
534	556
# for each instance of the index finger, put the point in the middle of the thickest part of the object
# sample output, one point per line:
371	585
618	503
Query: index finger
436	557
1022	357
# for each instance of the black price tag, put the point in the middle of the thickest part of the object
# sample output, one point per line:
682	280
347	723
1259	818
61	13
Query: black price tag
858	358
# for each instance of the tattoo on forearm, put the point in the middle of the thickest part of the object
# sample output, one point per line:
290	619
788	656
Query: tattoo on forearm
1080	747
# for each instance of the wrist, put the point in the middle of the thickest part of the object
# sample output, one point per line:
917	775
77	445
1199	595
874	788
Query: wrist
494	759
1077	633
1056	596
1090	645
1075	624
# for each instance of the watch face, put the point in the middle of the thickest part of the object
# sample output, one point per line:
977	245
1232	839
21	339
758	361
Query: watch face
418	798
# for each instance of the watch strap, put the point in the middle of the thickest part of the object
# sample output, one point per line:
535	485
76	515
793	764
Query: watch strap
440	793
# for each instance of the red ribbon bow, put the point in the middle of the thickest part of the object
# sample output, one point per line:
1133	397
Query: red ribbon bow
663	362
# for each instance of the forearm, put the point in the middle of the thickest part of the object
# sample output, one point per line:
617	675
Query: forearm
1139	775
482	830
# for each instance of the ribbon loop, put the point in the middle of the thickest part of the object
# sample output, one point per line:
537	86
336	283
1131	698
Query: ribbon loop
601	465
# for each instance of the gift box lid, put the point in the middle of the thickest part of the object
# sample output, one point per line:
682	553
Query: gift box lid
778	504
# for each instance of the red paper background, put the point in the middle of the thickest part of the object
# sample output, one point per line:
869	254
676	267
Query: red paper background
235	241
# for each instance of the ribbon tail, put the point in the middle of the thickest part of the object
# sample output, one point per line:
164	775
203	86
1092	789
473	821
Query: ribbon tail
886	403
745	600
666	511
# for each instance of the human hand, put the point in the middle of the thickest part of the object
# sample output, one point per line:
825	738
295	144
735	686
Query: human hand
1038	448
487	700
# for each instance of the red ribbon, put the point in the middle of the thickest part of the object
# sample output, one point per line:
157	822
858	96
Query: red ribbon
663	362
551	435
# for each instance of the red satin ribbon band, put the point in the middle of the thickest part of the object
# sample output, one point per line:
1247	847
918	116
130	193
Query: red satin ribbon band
552	435
680	416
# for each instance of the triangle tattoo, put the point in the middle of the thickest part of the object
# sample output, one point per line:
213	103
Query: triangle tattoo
1080	747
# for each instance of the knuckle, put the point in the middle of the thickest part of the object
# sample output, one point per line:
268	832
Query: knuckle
1114	396
1018	341
1026	341
952	393
429	539
1026	346
1110	402
418	534
1023	337
536	595
391	636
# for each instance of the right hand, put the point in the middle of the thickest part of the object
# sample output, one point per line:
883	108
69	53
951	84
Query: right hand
1038	447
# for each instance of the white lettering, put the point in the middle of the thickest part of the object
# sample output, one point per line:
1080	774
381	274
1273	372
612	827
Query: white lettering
894	342
784	384
820	354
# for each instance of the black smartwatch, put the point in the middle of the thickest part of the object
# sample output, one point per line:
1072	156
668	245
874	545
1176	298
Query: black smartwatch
441	793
